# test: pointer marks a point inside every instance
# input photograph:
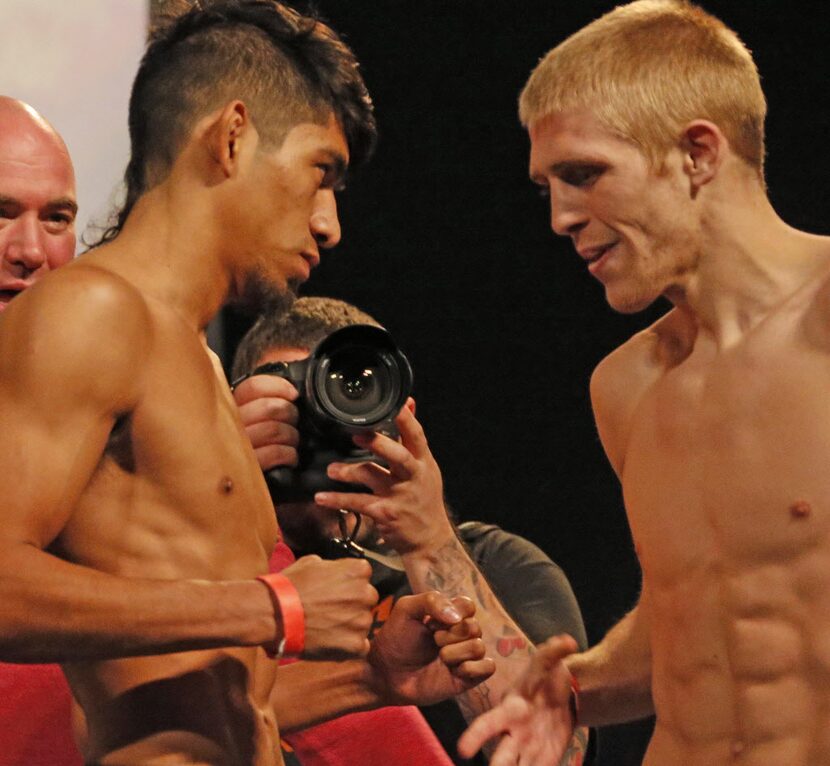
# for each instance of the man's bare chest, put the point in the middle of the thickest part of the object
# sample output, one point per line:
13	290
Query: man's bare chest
178	486
726	457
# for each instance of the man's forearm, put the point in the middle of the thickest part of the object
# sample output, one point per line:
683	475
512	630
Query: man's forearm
615	675
450	570
55	611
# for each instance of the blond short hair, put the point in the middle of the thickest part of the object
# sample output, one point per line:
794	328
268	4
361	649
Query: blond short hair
647	69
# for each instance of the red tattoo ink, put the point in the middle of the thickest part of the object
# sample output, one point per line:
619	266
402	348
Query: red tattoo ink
509	644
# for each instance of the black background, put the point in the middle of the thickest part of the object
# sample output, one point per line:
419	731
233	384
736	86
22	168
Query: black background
447	244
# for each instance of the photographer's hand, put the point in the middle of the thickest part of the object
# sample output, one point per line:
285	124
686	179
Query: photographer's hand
407	504
269	418
429	649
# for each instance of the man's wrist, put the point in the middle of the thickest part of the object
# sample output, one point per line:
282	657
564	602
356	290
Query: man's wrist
289	638
432	549
375	677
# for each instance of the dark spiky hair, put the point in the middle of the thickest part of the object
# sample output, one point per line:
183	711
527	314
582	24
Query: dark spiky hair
287	67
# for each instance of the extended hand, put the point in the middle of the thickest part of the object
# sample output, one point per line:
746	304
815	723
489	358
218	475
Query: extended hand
270	419
407	503
429	649
337	600
535	717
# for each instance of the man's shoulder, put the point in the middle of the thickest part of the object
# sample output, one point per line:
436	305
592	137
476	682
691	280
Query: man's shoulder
650	351
533	588
79	293
482	537
621	380
83	325
491	546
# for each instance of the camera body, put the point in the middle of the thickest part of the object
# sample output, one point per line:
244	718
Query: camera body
354	381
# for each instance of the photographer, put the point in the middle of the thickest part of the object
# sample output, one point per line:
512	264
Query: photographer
405	523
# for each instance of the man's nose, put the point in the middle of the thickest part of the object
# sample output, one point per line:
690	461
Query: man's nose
325	225
566	217
24	243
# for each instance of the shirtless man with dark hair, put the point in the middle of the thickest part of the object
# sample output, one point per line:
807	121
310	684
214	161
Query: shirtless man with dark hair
647	130
138	518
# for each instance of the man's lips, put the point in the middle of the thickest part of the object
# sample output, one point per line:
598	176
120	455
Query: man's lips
595	256
7	293
313	259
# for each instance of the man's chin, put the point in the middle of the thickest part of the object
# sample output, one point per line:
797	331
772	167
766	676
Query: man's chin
628	303
261	297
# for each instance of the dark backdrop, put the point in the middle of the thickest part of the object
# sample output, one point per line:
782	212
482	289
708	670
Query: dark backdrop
447	243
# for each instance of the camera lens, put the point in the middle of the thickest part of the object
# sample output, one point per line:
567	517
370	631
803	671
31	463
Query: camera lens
359	385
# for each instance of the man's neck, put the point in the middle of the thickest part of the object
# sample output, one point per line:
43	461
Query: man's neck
168	252
750	262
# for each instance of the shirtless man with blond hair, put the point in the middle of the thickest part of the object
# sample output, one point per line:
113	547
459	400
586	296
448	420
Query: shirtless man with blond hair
136	518
646	129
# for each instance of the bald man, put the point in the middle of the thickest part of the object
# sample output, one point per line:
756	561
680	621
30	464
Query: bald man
37	234
37	199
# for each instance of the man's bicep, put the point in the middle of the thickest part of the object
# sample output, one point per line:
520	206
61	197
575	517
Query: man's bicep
68	366
52	450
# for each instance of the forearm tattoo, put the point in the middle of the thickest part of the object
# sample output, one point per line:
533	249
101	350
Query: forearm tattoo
452	572
446	574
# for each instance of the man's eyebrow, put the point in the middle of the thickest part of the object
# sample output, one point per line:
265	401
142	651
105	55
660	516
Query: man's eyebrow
559	167
63	203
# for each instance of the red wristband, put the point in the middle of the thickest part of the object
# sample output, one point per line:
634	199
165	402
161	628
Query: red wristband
573	702
289	608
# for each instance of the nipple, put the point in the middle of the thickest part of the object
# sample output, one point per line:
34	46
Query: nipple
737	747
226	485
800	509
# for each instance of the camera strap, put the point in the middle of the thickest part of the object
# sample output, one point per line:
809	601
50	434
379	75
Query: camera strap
346	546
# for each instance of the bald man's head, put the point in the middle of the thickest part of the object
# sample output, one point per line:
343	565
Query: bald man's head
37	199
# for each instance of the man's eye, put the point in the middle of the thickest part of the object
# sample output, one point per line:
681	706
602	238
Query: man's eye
331	178
581	176
327	174
59	221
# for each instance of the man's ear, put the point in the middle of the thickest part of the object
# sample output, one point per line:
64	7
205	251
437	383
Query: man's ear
230	130
704	148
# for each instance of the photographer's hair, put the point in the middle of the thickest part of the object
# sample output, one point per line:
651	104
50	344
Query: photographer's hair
309	320
647	69
287	68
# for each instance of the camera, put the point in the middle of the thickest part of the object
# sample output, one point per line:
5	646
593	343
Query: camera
354	381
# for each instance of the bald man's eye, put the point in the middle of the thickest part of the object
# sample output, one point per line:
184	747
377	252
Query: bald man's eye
58	222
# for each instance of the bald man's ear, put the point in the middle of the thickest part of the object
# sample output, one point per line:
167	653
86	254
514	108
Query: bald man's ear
704	148
230	131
